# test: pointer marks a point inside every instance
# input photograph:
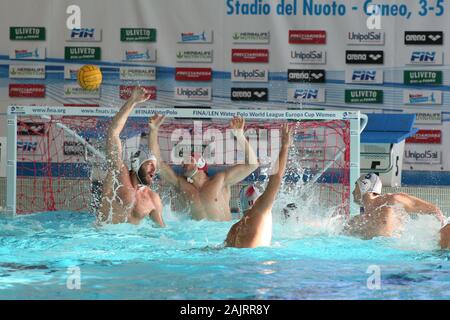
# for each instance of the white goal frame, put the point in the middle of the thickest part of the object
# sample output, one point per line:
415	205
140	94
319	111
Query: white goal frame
357	121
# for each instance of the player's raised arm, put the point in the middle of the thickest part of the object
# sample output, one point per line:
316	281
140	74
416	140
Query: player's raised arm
166	171
267	199
113	143
239	172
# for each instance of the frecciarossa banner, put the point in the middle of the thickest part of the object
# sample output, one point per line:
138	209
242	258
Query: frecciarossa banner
385	56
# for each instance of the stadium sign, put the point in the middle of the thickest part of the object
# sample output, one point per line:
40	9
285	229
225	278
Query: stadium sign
137	34
27	33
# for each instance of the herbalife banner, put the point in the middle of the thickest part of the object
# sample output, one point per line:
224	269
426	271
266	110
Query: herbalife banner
376	56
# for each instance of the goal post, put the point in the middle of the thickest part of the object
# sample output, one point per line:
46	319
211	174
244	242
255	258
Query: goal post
83	123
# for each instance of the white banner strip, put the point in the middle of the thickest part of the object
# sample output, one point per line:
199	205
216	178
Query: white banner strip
184	113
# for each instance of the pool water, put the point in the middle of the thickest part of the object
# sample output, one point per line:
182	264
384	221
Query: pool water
186	260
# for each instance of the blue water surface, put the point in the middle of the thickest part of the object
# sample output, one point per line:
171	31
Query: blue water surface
38	254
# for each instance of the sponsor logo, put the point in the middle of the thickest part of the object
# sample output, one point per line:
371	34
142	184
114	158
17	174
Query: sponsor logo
363	96
249	94
300	95
422	77
27	33
125	92
27	146
422	154
422	97
73	148
193	74
193	93
312	76
30	128
426	137
75	91
424	37
250	75
365	38
38	53
364	57
307	37
26	71
27	90
84	35
251	37
423	117
195	37
147	55
82	53
71	72
308	57
138	73
194	56
364	76
250	55
137	34
418	57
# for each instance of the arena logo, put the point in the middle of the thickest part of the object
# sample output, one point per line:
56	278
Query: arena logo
194	56
27	33
311	76
193	93
250	75
422	77
84	35
422	97
426	137
138	73
137	34
307	37
308	57
366	38
125	91
364	57
37	53
368	76
425	155
73	148
26	90
82	53
426	58
146	55
251	37
31	71
250	55
193	74
299	95
196	37
31	128
249	94
363	96
424	37
75	91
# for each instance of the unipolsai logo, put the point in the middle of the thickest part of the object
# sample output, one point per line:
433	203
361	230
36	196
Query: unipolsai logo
250	75
308	57
193	93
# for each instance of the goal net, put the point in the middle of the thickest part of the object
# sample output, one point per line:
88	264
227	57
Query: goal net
56	154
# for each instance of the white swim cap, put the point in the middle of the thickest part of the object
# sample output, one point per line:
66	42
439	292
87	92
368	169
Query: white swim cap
370	183
248	196
138	159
